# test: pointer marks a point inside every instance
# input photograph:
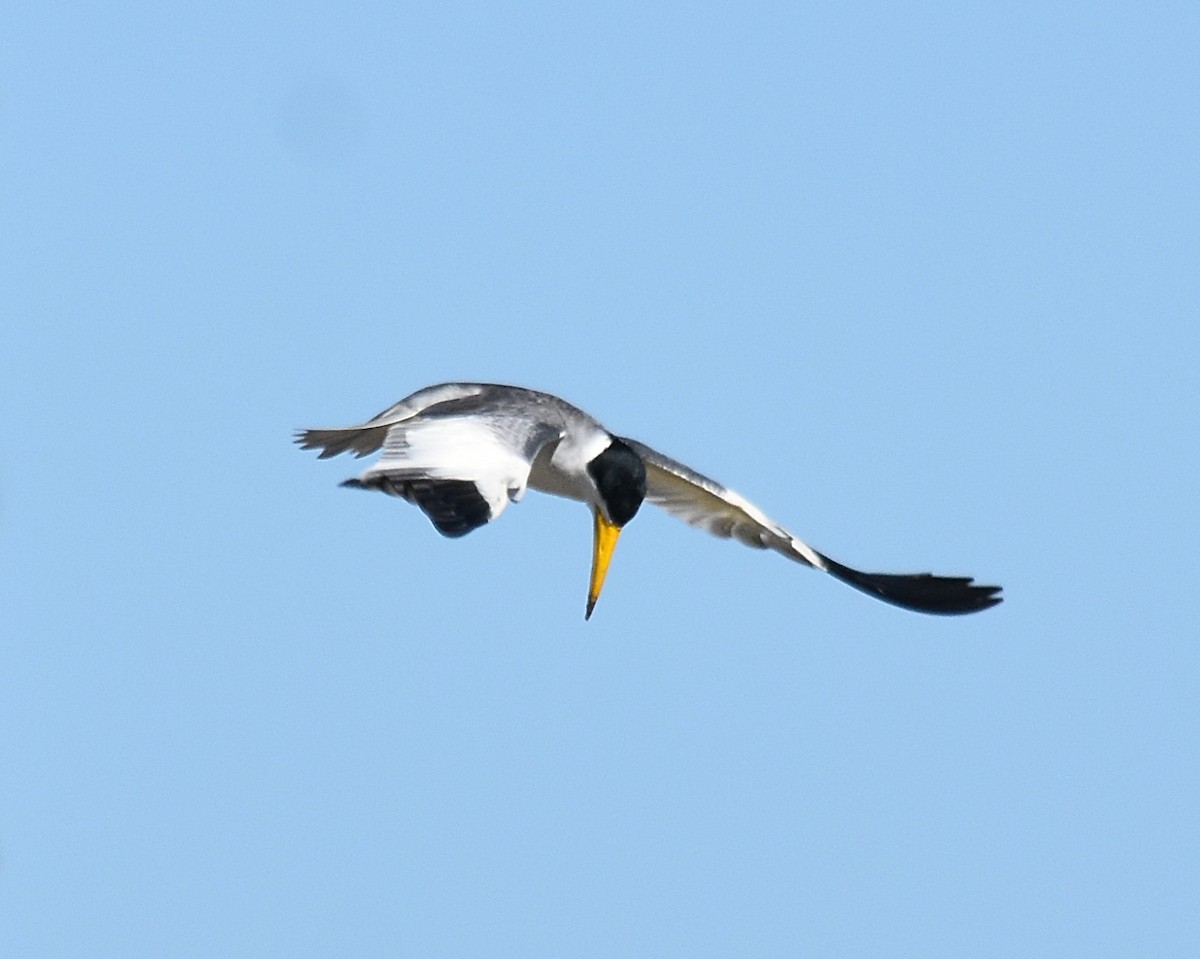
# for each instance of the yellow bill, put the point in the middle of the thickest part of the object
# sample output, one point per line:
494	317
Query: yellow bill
602	549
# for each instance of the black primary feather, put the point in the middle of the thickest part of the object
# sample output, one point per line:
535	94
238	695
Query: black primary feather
923	592
455	507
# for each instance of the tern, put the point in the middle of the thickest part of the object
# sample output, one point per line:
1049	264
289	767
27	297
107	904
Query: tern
463	451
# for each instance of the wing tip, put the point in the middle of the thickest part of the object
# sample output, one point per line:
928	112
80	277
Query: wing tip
921	592
359	440
314	440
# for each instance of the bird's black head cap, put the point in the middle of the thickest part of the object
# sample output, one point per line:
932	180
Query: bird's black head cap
620	478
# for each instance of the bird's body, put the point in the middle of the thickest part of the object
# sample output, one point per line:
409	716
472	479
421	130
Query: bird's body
463	451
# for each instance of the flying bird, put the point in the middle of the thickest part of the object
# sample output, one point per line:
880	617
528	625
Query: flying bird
463	451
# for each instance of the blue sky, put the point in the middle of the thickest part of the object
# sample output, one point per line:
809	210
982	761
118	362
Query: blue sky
922	282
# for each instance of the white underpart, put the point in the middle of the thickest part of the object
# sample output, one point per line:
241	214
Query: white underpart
455	449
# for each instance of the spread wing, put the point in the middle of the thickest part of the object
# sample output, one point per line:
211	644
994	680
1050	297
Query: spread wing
367	437
716	509
460	464
703	502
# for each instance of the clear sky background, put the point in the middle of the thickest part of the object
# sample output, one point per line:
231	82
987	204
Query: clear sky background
923	281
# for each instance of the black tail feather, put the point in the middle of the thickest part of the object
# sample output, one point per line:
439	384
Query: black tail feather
923	592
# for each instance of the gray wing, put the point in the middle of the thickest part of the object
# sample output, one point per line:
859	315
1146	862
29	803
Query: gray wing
368	437
461	452
521	409
704	502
